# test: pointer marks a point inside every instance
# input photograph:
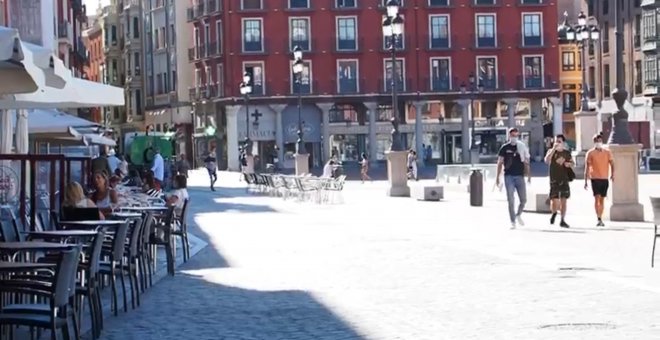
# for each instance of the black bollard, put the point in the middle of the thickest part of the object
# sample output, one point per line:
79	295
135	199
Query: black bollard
476	188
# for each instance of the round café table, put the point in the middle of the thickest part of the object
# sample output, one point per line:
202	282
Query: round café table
147	208
126	215
62	235
91	224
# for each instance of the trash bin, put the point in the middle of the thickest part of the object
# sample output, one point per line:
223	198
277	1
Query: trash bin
476	188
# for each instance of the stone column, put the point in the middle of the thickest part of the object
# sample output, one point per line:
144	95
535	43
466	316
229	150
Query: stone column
279	132
625	186
232	138
536	143
511	104
557	116
465	130
419	132
397	174
372	108
325	130
586	126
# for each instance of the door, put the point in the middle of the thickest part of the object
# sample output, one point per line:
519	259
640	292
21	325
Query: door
453	149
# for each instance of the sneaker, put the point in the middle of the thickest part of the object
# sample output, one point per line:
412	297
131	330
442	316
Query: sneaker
520	221
563	224
600	223
513	225
552	218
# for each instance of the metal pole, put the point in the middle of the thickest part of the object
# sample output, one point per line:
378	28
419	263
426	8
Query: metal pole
472	139
585	86
620	132
247	146
395	143
618	47
301	144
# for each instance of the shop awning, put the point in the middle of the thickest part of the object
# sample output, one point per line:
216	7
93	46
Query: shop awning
15	78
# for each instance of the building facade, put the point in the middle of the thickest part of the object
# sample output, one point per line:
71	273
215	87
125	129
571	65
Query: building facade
601	68
168	71
348	74
570	69
651	49
95	69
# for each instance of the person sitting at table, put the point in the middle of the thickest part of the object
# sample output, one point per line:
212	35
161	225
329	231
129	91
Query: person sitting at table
74	197
133	179
150	188
114	181
103	196
180	194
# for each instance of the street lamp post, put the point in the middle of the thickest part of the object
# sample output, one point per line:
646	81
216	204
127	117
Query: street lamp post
393	30
397	170
472	92
301	156
246	89
298	68
585	35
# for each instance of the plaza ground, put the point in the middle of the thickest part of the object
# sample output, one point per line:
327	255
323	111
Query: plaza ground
386	268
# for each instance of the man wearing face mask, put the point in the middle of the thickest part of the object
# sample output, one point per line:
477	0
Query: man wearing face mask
560	161
513	157
598	164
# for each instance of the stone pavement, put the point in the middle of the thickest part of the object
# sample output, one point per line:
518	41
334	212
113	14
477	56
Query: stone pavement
383	268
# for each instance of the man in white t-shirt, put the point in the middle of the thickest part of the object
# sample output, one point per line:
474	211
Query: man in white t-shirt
328	169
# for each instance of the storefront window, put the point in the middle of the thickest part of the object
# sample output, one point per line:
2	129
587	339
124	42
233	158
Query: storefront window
383	143
432	142
343	113
348	148
384	113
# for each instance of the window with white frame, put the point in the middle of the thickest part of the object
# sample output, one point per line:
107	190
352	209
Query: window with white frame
346	3
438	3
440	70
251	4
439	31
298	4
533	71
532	29
400	75
207	40
347	76
299	33
651	70
252	35
347	33
486	30
256	72
218	37
302	83
487	72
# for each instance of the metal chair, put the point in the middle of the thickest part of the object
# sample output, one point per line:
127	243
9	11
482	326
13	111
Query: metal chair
655	202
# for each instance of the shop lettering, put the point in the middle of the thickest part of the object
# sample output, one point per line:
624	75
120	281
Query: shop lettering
259	134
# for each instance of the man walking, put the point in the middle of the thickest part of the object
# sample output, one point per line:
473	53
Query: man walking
512	158
599	166
158	168
561	163
212	168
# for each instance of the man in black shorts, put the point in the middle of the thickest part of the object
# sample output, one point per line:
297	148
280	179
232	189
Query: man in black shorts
599	162
559	160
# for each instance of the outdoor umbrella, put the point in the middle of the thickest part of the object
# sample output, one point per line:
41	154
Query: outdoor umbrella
6	132
22	142
15	78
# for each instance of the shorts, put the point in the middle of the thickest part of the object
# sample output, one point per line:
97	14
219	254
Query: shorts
560	189
600	187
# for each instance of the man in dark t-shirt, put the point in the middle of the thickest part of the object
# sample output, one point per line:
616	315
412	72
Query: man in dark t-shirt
560	163
512	157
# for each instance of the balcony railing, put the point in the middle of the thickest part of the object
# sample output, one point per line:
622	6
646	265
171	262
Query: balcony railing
347	86
346	4
537	82
304	88
486	42
347	45
440	84
385	86
63	30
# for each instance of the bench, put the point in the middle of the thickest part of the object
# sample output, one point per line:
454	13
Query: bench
427	192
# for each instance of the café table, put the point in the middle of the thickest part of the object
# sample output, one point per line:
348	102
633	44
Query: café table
91	224
147	208
62	235
125	215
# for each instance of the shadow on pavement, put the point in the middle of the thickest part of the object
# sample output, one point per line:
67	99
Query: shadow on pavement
190	307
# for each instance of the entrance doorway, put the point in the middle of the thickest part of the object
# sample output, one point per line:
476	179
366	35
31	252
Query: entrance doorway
452	148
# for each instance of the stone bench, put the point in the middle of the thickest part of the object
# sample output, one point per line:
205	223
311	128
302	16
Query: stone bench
427	192
538	203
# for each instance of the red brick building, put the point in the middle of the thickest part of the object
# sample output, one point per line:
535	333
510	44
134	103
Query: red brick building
508	46
95	68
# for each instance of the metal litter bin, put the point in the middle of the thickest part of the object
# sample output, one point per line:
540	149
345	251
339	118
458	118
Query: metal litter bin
476	188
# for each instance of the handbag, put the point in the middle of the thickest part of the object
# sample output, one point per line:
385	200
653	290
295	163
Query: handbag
571	174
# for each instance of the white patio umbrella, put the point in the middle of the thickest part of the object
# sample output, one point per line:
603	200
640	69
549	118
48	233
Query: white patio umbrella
15	78
21	134
5	138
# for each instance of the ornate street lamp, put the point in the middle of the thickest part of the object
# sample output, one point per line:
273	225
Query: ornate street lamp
298	68
586	36
393	31
246	89
472	91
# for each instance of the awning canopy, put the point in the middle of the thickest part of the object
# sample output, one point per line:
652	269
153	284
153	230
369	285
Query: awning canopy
15	78
62	128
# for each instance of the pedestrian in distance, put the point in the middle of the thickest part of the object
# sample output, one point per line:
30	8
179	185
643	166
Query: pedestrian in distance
412	164
561	174
364	168
212	168
599	168
512	158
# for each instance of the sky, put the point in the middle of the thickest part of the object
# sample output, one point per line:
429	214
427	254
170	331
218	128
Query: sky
92	5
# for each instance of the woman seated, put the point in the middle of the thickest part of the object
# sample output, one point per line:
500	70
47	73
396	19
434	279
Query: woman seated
150	188
180	194
103	195
74	197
